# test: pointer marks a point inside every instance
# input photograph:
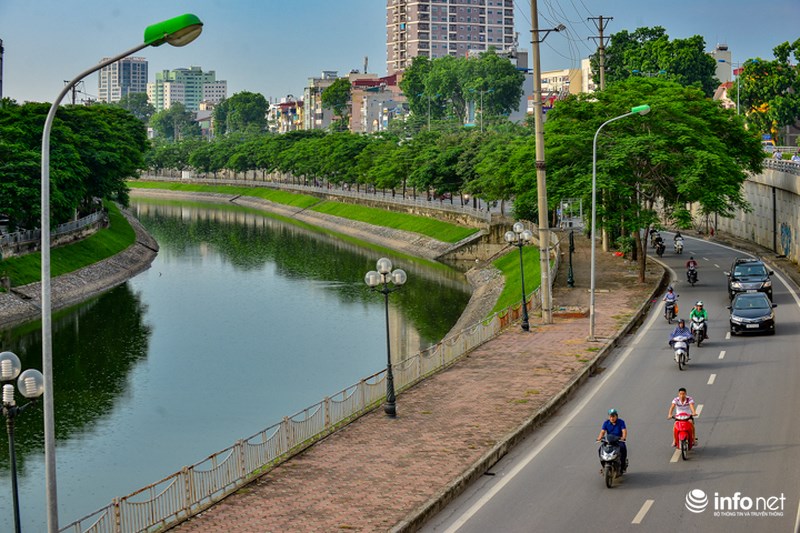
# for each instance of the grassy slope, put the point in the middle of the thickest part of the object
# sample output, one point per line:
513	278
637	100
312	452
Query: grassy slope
105	243
436	229
509	266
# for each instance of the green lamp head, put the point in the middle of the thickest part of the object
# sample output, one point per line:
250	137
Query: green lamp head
178	31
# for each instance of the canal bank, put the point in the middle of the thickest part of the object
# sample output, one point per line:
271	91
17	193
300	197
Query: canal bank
486	281
23	303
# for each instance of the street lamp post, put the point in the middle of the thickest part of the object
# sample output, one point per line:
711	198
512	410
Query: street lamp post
379	281
638	110
519	237
30	385
178	31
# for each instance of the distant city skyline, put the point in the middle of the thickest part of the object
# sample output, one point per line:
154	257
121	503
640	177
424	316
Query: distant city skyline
272	47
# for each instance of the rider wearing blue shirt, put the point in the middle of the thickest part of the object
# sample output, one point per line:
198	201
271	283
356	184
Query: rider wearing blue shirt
682	331
616	426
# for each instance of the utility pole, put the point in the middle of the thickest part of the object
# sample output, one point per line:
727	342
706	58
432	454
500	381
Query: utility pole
541	183
1	69
600	23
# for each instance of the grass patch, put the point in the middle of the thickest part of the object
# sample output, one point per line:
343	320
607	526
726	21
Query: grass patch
273	195
520	401
431	227
509	266
65	259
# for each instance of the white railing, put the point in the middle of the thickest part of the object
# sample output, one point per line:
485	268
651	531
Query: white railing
483	210
200	485
34	235
783	165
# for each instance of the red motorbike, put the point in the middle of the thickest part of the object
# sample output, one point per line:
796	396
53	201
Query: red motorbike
683	433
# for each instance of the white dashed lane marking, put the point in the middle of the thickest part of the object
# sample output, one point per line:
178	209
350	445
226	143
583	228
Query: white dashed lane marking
711	379
642	512
722	354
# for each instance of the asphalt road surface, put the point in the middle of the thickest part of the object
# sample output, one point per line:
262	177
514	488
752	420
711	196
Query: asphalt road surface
747	464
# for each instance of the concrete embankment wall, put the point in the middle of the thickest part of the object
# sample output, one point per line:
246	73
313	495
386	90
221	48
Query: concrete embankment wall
774	222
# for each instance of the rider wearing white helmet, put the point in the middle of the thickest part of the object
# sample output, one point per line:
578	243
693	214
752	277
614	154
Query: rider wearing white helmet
699	311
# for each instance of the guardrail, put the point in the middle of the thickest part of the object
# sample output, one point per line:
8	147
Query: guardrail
483	210
198	486
35	235
783	165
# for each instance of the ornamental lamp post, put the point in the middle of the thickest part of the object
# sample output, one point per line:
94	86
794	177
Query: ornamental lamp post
519	237
638	110
379	282
30	385
178	31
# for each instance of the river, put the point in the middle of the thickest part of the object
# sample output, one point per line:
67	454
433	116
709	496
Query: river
242	319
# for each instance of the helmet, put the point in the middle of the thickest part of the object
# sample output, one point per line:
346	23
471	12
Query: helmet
691	257
612	412
681	321
669	289
699	303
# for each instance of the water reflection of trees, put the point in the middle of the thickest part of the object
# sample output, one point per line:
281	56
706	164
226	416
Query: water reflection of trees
95	346
250	239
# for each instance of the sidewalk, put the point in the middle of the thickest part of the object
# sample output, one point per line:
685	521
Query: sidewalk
379	474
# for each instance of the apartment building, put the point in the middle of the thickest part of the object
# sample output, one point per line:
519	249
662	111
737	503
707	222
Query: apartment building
375	102
436	28
190	86
126	76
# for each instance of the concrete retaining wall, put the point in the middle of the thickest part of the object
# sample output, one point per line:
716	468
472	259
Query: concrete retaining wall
774	222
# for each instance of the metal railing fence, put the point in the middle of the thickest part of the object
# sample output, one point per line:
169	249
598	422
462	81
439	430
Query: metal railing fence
198	486
35	235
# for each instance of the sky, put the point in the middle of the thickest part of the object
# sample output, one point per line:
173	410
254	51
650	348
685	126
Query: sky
272	47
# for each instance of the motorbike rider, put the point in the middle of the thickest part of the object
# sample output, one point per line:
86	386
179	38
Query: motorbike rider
683	404
616	426
670	297
682	331
690	264
677	236
698	311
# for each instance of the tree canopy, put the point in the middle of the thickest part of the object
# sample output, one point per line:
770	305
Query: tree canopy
244	111
687	150
337	98
93	150
175	123
446	85
649	52
138	105
770	90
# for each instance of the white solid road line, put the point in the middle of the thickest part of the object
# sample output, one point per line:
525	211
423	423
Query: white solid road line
711	379
797	520
642	512
524	461
722	354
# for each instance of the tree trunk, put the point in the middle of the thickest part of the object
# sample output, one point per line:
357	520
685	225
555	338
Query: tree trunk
642	245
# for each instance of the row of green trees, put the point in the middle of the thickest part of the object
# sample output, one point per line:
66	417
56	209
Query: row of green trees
93	150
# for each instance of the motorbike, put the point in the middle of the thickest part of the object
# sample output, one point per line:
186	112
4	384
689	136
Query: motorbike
660	247
654	238
683	429
691	275
610	459
698	329
670	310
680	345
678	245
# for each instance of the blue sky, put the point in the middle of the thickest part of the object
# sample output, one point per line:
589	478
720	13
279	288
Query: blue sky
274	46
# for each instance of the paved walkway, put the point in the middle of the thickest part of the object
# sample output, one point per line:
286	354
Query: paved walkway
379	474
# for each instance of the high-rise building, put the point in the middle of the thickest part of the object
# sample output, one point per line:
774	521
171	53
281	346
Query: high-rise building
126	76
436	28
190	86
722	56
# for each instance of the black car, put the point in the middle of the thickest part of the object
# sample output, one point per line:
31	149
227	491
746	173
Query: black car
749	275
752	313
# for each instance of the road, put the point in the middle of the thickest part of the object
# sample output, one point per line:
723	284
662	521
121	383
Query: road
749	452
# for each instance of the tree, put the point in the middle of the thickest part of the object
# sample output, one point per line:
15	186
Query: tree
688	150
138	105
175	123
244	111
447	84
770	90
337	98
649	52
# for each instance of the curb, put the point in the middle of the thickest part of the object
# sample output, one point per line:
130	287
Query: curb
417	518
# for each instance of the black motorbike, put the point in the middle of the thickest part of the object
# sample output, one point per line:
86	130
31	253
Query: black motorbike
669	310
660	247
610	459
691	275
